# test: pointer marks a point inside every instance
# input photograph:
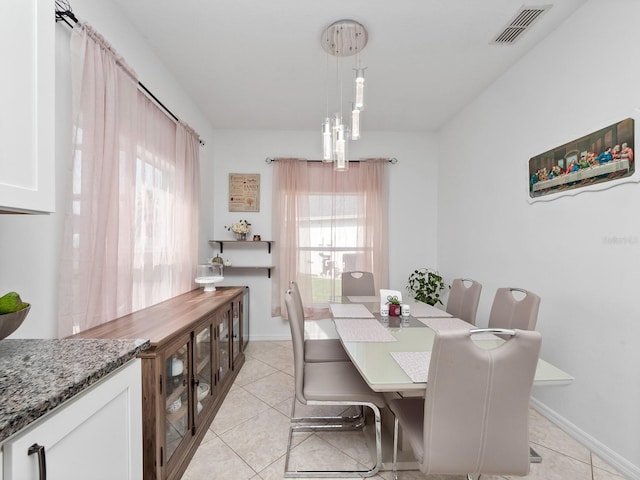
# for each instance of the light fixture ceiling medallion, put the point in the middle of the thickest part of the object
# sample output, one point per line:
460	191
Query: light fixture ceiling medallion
344	38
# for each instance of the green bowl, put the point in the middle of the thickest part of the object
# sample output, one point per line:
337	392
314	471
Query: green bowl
9	322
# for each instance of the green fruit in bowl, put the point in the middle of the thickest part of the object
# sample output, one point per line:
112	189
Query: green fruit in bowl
11	302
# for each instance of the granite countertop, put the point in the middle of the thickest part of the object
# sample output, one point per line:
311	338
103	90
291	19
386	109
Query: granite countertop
36	376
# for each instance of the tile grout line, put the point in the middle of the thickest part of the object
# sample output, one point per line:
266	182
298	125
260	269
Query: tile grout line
590	463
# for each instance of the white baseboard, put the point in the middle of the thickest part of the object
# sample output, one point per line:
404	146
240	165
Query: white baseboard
313	329
620	463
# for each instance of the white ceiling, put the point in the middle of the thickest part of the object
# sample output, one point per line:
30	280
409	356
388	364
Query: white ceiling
259	64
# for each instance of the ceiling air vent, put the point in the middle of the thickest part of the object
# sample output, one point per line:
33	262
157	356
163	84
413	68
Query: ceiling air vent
520	23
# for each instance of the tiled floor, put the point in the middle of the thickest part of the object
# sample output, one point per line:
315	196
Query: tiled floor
248	437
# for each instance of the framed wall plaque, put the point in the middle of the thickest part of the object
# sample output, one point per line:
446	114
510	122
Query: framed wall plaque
244	192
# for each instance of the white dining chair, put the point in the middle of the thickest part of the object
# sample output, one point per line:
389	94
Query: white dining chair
317	350
358	283
474	417
328	384
464	297
507	311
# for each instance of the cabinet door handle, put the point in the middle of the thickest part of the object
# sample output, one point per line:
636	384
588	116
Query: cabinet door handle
42	462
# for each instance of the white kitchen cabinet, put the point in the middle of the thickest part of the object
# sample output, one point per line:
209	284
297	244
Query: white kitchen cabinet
96	435
27	96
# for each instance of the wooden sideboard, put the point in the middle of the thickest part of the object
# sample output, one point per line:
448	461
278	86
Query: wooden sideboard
196	352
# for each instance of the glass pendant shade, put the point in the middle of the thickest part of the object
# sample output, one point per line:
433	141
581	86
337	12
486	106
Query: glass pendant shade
336	127
327	148
359	102
341	163
355	124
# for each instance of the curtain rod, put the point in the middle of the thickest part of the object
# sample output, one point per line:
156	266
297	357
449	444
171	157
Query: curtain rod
270	160
60	17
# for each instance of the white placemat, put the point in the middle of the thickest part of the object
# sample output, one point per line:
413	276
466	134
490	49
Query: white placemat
350	310
362	330
363	299
414	364
447	323
421	309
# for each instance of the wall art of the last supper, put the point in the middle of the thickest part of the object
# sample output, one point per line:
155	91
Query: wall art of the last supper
601	156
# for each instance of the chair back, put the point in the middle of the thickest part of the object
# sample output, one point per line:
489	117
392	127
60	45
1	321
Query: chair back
297	297
296	324
509	312
464	297
358	283
476	409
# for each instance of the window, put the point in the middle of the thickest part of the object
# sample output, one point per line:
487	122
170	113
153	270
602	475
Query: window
131	226
327	222
333	242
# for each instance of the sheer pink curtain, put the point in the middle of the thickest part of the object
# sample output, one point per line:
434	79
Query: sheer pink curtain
130	237
325	222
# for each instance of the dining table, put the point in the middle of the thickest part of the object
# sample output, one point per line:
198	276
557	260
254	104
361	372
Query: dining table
392	352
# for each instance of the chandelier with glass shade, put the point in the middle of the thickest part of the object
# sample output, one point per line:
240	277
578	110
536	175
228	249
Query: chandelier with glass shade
344	38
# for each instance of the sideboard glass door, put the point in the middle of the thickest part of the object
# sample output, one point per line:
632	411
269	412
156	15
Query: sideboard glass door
203	369
176	399
224	345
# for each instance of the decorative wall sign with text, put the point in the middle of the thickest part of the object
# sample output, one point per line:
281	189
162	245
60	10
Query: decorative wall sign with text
597	161
244	192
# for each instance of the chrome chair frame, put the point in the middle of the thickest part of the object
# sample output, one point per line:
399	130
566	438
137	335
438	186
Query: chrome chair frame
332	427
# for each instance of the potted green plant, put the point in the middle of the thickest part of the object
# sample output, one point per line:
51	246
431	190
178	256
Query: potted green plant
425	285
394	306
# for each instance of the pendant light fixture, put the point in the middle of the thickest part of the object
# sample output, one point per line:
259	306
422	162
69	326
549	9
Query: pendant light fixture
355	122
344	38
359	102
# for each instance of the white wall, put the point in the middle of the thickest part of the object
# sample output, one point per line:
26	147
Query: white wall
412	190
582	78
30	244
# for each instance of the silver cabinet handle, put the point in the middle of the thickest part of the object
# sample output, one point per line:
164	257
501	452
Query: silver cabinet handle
42	462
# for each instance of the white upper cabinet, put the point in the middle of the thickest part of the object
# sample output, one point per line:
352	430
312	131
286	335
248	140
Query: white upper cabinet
27	96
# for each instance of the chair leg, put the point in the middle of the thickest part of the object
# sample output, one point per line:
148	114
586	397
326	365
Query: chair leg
534	457
335	473
394	468
348	422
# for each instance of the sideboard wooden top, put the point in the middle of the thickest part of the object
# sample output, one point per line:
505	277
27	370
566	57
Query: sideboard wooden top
161	322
